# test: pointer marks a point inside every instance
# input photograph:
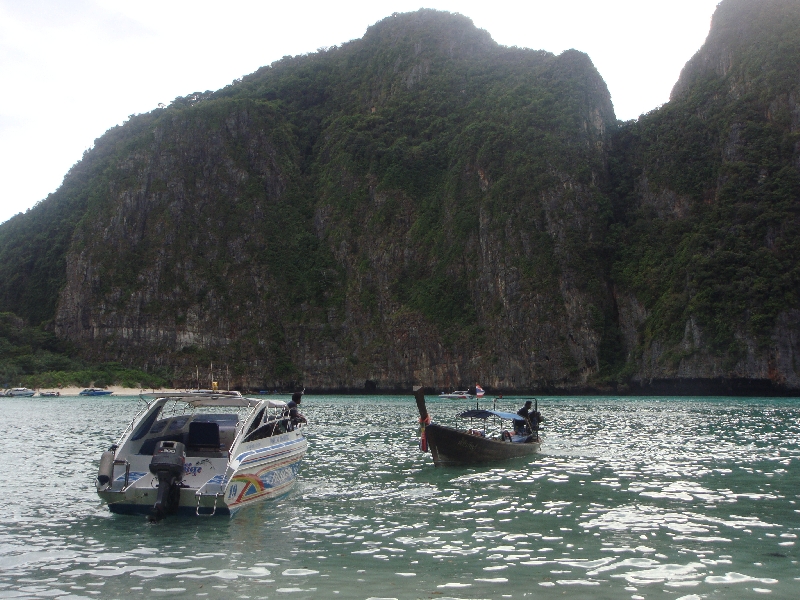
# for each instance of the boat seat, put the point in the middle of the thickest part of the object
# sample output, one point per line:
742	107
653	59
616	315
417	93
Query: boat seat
149	446
203	437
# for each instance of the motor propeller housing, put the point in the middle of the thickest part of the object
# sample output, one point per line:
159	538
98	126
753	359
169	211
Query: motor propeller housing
167	464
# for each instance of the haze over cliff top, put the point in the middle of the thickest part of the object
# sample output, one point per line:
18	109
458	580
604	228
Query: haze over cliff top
150	53
748	40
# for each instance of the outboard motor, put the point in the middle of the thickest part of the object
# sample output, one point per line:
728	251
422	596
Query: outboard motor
167	464
106	470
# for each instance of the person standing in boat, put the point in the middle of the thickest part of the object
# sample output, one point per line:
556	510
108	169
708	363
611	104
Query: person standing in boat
531	415
291	411
524	412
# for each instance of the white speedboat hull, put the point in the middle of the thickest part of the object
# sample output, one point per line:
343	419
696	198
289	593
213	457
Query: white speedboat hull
20	393
211	485
213	482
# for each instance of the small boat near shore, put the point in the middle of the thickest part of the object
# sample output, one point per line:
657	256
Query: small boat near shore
19	392
95	392
202	454
49	394
475	445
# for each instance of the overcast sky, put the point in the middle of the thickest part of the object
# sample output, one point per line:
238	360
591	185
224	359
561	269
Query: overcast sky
71	69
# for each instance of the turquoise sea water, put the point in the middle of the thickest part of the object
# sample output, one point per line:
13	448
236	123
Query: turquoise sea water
631	498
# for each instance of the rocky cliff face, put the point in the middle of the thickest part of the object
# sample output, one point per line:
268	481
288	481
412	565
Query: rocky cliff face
176	256
714	175
425	206
424	265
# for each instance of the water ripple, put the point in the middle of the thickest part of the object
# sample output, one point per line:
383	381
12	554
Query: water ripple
635	498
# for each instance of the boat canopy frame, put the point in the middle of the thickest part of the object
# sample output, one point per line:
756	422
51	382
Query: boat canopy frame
210	400
158	403
486	414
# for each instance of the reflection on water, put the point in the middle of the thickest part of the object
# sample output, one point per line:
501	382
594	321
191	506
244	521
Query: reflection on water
631	498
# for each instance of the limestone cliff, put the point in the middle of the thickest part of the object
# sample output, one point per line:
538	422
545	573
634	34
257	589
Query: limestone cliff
709	191
386	228
423	205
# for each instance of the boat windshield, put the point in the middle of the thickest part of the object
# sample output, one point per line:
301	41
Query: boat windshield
188	417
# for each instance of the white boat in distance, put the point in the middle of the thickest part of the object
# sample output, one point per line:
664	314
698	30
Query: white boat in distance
456	395
201	454
20	392
476	392
95	392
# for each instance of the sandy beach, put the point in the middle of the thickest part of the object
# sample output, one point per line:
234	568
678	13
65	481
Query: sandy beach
118	390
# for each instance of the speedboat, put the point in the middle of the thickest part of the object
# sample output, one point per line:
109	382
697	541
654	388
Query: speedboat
201	454
462	395
486	443
20	392
95	392
470	394
50	394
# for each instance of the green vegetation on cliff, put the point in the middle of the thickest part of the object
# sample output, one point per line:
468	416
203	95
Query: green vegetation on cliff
722	243
34	358
423	202
278	201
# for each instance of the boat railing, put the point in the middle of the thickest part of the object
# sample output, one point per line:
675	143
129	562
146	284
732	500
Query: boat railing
276	415
133	421
203	491
213	508
239	432
120	462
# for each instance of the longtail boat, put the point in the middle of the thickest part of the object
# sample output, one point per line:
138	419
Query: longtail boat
486	443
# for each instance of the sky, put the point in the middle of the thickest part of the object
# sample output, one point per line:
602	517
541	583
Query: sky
72	69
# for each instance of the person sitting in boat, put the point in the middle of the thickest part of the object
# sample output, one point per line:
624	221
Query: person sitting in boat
292	413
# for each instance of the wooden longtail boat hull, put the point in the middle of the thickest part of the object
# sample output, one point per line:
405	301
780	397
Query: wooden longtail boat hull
451	446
